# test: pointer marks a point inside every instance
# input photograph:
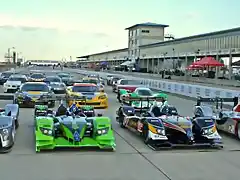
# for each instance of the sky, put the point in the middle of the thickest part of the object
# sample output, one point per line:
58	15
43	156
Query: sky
56	29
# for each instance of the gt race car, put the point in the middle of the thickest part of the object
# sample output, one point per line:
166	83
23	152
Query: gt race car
74	132
94	80
140	92
186	130
86	94
56	84
66	78
13	83
8	125
227	120
37	77
32	93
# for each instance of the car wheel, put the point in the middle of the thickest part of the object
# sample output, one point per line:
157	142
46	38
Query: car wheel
13	133
145	135
16	124
238	130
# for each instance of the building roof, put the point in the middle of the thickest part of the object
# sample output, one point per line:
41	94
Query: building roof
148	24
112	51
193	37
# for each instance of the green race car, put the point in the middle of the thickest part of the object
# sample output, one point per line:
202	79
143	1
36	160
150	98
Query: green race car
72	131
141	92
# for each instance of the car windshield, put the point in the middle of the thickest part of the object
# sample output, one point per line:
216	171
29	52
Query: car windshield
23	80
92	81
53	79
35	87
37	76
144	92
7	75
129	82
84	89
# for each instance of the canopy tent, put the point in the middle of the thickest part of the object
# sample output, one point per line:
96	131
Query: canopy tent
127	63
193	67
208	61
104	63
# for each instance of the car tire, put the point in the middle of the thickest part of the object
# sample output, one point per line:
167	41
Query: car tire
16	124
145	135
238	131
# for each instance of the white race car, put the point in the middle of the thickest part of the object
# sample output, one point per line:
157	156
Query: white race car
13	83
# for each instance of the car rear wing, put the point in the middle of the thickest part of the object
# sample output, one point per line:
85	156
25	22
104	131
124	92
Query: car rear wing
128	98
218	101
61	98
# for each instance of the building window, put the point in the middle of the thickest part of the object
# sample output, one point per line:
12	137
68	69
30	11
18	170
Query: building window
145	31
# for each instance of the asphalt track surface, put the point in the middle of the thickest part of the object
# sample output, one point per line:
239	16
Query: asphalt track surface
132	160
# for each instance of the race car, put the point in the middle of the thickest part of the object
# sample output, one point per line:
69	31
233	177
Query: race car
73	131
140	92
127	84
36	77
94	80
186	130
56	84
66	78
226	120
5	76
88	94
32	93
150	128
13	83
8	125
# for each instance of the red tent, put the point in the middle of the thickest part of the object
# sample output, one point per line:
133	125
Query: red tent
208	61
192	67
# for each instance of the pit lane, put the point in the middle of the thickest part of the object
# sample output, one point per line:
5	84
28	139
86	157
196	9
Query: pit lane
132	159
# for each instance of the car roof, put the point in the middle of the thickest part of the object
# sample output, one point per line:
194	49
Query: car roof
84	84
143	88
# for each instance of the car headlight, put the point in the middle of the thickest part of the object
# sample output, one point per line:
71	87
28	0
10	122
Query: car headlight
161	131
46	131
209	131
102	131
102	97
5	131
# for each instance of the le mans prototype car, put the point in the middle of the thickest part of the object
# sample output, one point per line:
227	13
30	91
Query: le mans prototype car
226	120
32	93
8	125
169	129
72	131
86	94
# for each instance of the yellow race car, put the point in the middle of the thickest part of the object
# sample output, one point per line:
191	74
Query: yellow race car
94	80
86	94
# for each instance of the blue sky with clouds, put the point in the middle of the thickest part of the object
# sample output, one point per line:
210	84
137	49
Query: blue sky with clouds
54	29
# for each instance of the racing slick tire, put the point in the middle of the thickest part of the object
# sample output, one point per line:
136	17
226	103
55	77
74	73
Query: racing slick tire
145	135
